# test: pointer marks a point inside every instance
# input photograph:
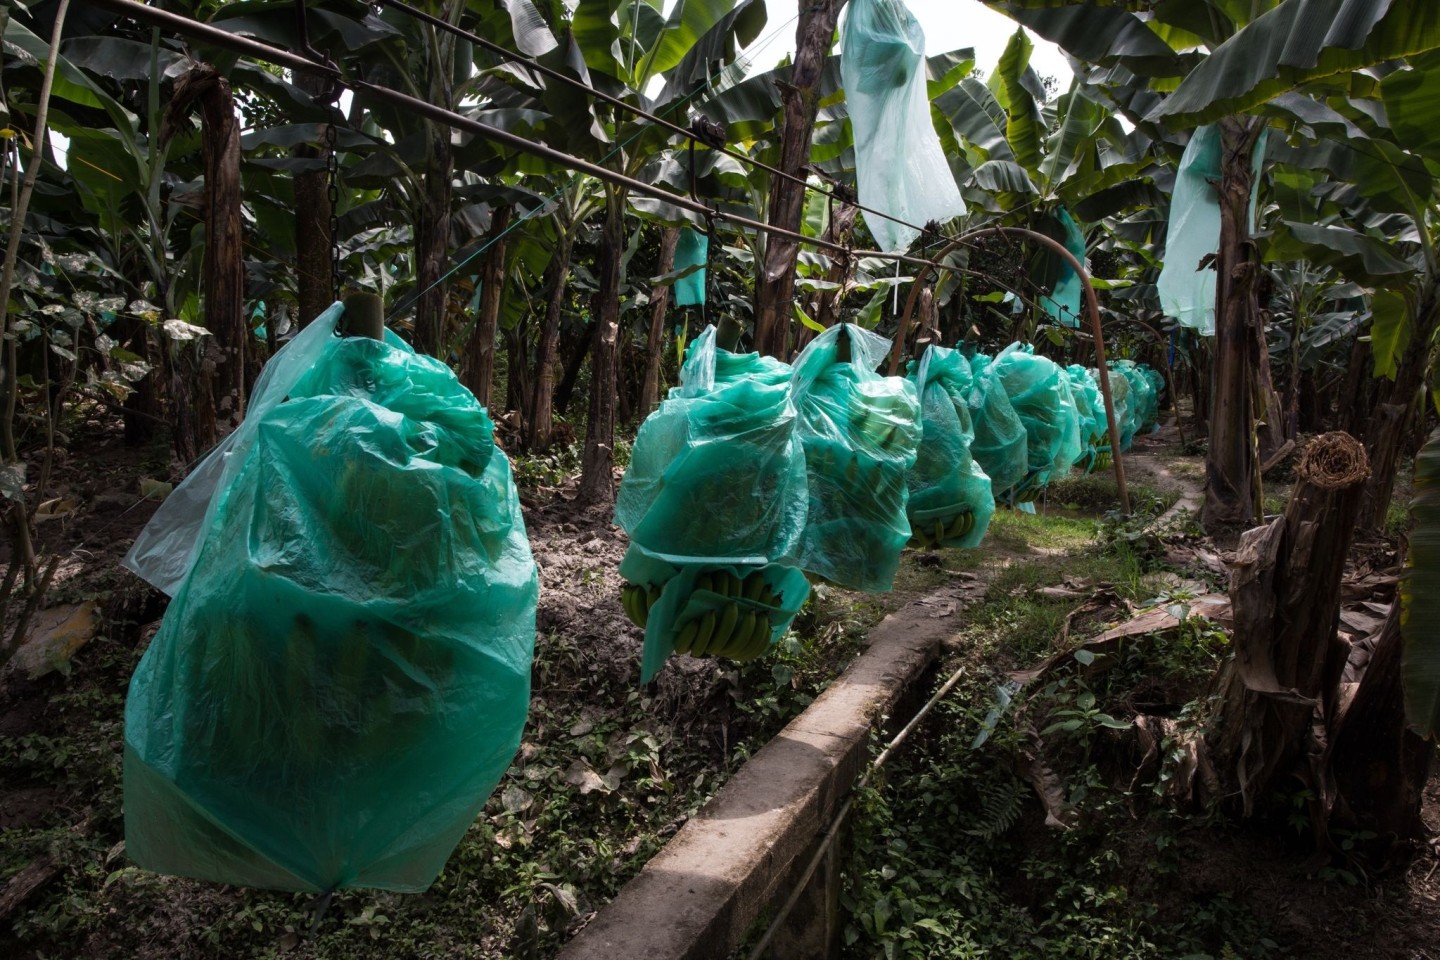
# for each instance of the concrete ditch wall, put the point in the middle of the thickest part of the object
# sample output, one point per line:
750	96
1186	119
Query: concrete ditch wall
737	860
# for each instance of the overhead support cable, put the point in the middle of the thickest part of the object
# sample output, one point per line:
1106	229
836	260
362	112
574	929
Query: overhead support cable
640	112
262	51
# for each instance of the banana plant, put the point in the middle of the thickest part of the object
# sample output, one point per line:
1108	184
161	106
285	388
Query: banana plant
1218	62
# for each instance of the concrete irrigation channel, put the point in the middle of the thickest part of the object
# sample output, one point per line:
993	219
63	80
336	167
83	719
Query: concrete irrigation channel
742	856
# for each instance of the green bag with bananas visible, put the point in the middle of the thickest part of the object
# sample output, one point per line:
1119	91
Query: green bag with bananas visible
950	497
716	483
344	671
1000	445
1091	409
1039	392
1123	398
1144	398
860	432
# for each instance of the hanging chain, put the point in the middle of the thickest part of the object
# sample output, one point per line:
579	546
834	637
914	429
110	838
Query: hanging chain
332	188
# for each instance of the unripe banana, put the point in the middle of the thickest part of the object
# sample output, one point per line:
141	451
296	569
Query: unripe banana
685	639
652	597
753	585
744	632
725	629
701	645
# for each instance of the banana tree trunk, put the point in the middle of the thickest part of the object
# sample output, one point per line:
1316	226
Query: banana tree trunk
1283	682
314	287
432	241
1230	463
1379	764
596	482
479	373
654	342
775	287
221	396
542	416
1391	419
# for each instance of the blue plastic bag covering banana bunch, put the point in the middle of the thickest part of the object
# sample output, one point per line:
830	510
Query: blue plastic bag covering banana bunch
860	432
1090	405
1040	393
1001	444
344	671
693	250
714	502
1144	403
899	163
950	497
1157	384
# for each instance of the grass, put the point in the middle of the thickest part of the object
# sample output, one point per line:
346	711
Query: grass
950	858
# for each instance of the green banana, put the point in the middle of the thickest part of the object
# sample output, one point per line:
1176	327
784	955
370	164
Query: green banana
760	639
705	582
652	597
685	639
753	585
724	630
740	639
701	646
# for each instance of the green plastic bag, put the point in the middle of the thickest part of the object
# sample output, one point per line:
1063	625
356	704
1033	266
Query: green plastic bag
1001	445
344	671
1090	406
1187	291
1144	405
950	497
1063	302
1123	400
860	432
1040	394
692	250
900	166
716	482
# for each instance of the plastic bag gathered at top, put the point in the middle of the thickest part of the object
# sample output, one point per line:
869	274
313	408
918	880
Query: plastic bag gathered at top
950	500
343	674
860	432
899	164
1187	290
1090	406
1144	399
1039	392
716	489
1000	446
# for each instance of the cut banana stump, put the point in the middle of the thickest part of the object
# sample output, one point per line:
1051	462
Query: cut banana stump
733	629
933	533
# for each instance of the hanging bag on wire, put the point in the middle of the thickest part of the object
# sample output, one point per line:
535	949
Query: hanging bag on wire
714	503
343	673
899	163
1000	445
860	432
950	501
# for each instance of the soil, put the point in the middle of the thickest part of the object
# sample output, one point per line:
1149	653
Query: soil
1385	915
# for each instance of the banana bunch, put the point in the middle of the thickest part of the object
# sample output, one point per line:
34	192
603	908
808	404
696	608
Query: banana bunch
880	420
729	631
1103	460
933	533
855	473
637	601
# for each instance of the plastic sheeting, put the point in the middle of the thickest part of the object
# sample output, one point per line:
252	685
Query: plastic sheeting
716	480
344	672
1039	392
860	432
1186	291
1063	302
946	483
692	250
1001	444
899	163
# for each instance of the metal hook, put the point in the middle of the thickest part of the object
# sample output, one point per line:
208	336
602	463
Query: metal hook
332	91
